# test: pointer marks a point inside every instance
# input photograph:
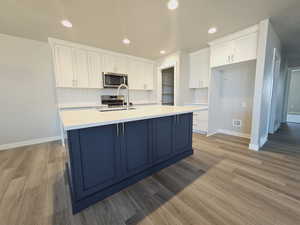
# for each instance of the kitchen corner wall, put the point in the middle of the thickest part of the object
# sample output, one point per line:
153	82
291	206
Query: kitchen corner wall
27	94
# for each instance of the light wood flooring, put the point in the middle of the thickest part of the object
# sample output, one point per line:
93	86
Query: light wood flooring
223	183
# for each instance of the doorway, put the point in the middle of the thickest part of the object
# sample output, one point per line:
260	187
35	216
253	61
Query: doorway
293	108
167	92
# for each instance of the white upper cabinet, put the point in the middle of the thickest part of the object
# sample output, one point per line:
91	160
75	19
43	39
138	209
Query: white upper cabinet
64	66
199	69
95	68
235	48
81	68
221	54
245	48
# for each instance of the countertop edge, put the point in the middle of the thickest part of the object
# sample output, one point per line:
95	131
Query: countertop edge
68	128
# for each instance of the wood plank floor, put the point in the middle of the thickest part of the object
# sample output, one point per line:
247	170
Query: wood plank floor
223	183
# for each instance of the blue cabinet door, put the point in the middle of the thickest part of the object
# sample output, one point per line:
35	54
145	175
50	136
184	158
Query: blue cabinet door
136	146
183	133
97	159
163	134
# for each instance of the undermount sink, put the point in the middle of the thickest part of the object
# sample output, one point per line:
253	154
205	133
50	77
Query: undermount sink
116	109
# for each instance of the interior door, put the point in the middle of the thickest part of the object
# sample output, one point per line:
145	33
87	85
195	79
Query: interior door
183	133
99	149
136	146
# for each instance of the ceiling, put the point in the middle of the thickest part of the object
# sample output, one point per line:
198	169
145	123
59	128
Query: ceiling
149	25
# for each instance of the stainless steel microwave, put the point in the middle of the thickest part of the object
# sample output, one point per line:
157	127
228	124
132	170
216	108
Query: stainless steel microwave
113	80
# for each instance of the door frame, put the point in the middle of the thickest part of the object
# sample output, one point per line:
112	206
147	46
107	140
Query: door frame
275	61
159	81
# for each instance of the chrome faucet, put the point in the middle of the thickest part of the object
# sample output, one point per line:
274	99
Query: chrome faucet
124	85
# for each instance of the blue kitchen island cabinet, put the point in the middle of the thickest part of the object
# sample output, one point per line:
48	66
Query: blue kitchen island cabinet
105	159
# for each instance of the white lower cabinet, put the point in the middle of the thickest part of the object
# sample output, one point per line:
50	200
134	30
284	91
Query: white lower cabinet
200	122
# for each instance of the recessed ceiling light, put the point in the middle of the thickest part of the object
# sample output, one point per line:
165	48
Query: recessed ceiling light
126	41
172	4
162	52
212	30
66	23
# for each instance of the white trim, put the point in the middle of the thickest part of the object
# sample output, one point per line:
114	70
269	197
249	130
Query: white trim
292	118
211	134
253	147
263	140
200	132
28	142
235	35
233	133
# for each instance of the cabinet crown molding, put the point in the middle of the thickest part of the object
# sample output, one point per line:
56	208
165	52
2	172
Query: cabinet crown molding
236	35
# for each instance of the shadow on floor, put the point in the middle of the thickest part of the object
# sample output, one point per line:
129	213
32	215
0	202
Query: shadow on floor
135	204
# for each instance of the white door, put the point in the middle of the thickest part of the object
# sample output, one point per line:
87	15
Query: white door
95	67
221	54
64	66
245	48
82	79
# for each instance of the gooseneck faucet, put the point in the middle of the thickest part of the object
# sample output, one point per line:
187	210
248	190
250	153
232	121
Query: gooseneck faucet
125	86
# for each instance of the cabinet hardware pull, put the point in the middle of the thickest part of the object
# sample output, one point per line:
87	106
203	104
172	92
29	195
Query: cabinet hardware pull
117	129
123	128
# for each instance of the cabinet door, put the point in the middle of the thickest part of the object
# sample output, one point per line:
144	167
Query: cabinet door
109	63
183	133
245	48
121	65
82	79
221	54
136	72
163	134
99	149
136	147
95	67
64	66
199	69
148	74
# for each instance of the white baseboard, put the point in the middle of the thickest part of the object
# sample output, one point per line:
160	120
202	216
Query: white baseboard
254	147
293	118
234	133
200	131
263	140
211	134
28	142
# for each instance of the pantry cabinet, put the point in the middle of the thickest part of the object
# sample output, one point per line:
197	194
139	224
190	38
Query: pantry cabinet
236	48
199	69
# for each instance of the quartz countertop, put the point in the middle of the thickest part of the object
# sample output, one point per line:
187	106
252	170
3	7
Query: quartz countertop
77	119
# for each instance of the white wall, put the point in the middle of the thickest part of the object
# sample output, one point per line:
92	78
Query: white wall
268	40
27	95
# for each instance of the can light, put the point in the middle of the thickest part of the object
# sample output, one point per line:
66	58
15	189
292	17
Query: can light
126	41
162	52
212	30
66	23
173	4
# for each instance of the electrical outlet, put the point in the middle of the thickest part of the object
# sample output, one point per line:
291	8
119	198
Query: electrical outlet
236	123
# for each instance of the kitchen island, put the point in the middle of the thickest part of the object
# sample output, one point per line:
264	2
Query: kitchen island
108	151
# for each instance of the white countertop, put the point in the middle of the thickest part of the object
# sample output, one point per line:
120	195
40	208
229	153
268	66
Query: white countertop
77	119
94	105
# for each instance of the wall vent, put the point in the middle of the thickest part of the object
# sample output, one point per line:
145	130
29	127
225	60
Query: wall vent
236	123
